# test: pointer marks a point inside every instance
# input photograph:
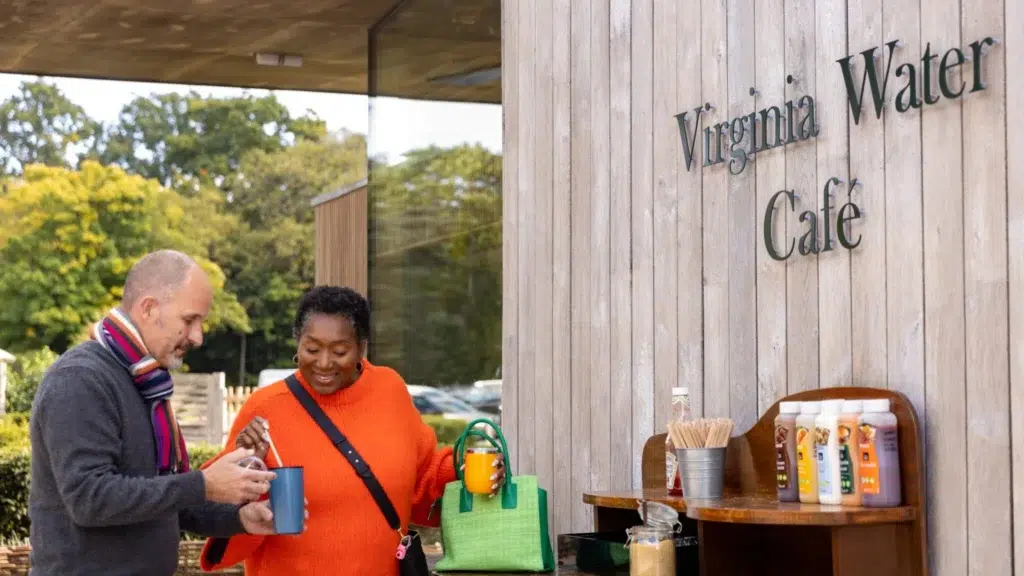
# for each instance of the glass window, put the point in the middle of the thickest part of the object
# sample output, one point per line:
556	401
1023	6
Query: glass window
435	194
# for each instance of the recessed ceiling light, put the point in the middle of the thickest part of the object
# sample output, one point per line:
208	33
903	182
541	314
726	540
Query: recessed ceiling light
270	59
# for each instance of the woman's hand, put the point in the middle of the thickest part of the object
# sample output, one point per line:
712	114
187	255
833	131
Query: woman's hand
254	437
257	517
498	478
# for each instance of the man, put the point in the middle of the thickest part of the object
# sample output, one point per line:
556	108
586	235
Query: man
111	485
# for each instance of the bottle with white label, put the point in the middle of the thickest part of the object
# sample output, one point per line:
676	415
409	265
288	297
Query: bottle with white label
806	466
826	446
680	413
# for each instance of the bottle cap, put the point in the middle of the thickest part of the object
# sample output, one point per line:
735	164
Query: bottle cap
789	407
811	407
831	406
853	407
876	405
680	391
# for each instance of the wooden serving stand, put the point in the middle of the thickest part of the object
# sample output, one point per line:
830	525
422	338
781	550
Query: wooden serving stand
748	531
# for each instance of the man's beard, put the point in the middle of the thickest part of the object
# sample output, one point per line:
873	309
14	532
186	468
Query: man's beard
174	362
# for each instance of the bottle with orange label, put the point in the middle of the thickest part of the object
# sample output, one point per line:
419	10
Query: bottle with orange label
806	463
879	455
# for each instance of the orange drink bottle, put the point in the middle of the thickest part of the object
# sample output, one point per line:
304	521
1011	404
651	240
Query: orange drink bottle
479	469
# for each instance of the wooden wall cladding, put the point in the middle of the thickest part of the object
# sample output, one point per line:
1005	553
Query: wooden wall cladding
627	274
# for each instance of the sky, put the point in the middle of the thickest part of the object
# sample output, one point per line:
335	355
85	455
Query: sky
399	125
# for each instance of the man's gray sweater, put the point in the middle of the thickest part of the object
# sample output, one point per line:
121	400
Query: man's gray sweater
96	503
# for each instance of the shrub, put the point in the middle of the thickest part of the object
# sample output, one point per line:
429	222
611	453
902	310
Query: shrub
14	477
24	377
14	431
199	454
447	431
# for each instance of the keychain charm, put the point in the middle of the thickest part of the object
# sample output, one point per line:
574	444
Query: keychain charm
403	545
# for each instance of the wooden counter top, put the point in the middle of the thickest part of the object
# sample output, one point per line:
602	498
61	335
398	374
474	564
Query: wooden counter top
757	509
627	500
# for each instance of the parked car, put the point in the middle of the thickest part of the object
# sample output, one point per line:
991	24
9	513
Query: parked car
271	375
429	400
484	395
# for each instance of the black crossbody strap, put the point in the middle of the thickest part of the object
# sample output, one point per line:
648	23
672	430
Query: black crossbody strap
347	450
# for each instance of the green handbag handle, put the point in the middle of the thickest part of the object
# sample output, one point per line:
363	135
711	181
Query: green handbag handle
509	496
468	431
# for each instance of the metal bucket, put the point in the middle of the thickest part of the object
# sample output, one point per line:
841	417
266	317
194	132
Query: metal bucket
701	471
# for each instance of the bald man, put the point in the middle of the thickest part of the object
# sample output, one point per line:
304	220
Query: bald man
111	486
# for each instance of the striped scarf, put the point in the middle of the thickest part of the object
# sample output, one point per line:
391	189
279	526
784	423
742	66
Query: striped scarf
118	335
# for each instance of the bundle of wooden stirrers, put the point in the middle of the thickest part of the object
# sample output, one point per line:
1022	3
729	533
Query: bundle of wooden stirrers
702	433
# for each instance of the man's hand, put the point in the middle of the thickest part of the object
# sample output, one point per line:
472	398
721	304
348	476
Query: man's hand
254	437
229	483
257	518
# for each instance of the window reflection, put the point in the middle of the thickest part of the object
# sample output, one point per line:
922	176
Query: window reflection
435	194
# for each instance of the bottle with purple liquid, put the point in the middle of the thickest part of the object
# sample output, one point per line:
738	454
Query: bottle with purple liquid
879	454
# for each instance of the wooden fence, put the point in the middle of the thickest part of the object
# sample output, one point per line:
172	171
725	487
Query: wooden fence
206	407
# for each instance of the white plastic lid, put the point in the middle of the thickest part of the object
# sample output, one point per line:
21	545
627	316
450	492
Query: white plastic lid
876	405
832	406
789	407
680	391
853	407
811	407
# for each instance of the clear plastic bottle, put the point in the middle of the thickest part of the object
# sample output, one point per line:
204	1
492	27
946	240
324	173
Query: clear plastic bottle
680	413
879	455
826	446
806	465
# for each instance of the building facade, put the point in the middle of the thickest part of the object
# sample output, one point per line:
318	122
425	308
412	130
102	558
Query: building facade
712	194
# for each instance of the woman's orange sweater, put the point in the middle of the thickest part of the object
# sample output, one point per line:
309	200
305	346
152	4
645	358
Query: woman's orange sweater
346	531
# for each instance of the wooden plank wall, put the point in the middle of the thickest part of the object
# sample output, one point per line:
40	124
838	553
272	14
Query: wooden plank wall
341	235
627	274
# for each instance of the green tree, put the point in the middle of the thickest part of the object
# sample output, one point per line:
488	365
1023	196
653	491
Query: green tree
41	125
272	185
436	283
69	239
169	137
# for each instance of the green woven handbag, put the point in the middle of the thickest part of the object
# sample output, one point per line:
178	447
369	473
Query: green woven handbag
506	533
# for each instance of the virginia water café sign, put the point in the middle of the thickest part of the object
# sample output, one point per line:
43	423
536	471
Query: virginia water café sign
799	124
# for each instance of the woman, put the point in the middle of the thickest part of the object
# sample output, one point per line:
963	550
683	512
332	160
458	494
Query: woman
346	532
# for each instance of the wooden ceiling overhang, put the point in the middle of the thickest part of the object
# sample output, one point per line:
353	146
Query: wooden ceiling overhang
422	44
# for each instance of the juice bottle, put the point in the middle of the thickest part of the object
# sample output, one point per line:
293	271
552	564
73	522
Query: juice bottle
680	413
785	452
879	456
806	467
849	464
826	446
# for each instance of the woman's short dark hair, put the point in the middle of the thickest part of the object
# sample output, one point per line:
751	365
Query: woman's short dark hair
334	301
